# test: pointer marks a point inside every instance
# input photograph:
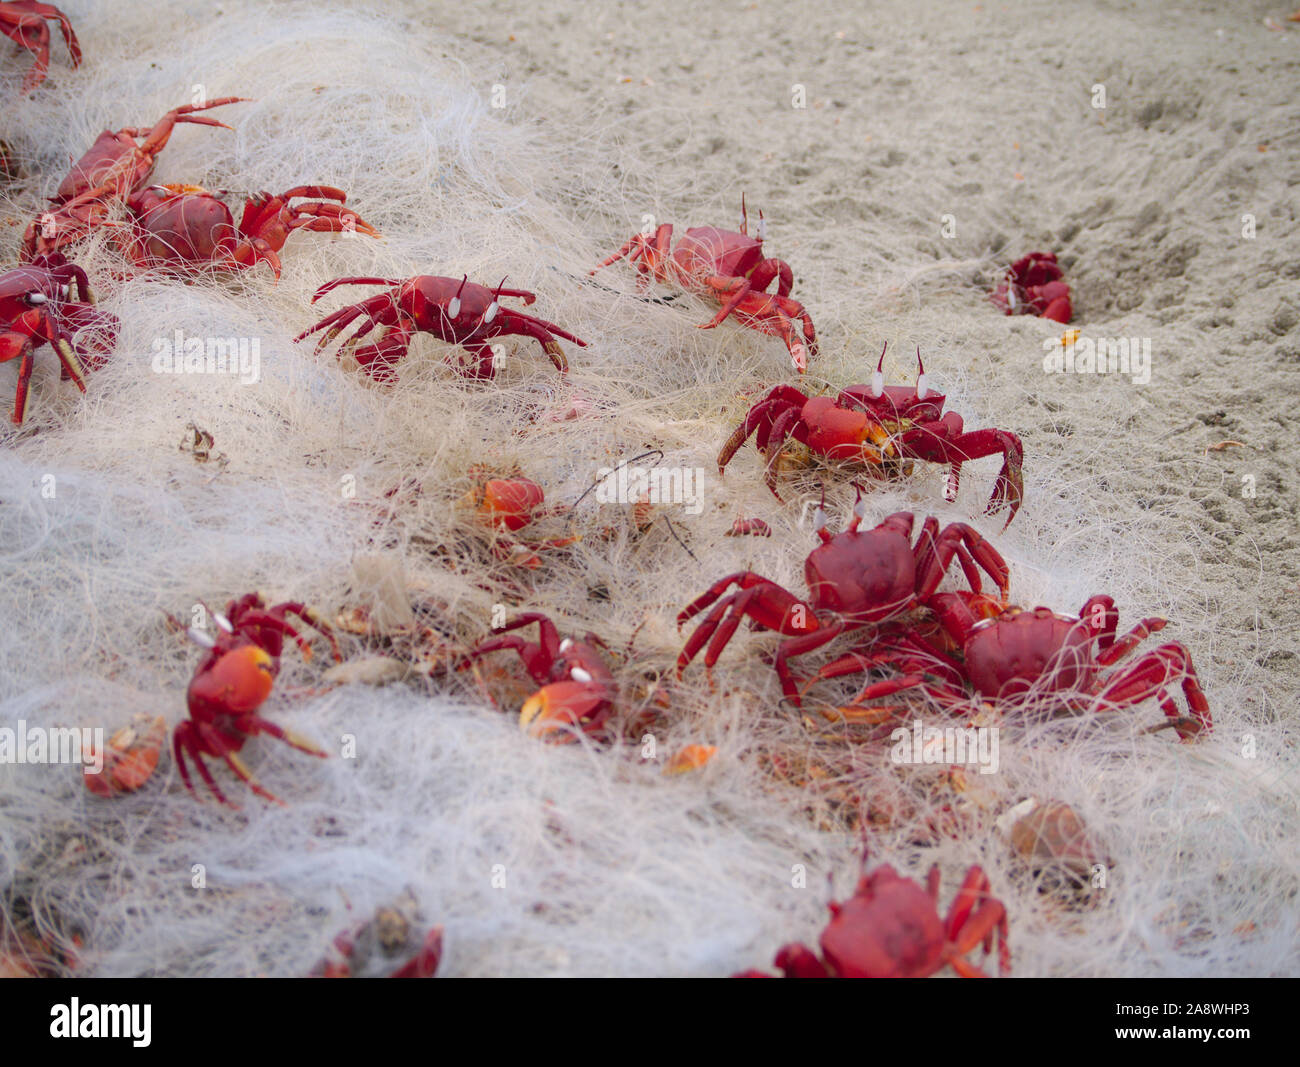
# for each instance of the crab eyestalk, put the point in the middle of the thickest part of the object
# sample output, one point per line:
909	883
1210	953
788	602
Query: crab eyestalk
453	305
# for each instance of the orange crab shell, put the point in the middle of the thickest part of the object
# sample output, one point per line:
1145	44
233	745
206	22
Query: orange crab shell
130	757
508	504
690	758
1053	834
239	682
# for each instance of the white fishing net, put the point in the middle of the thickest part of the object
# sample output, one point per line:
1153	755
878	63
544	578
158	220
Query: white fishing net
565	860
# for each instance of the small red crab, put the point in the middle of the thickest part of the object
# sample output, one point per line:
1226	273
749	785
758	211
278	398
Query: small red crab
186	228
130	757
873	424
890	928
113	168
47	302
855	578
375	944
508	505
743	527
1005	654
23	22
1033	286
577	688
458	312
727	267
233	680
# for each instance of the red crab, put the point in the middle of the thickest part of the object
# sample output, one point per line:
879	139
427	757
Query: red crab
743	527
185	227
890	928
727	267
508	505
113	168
458	312
1005	654
577	688
47	302
855	578
376	943
130	757
232	681
23	22
1033	286
874	424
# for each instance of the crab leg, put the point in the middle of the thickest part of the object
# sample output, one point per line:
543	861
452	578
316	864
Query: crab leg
935	553
541	331
944	442
545	651
328	286
1150	675
761	276
775	315
1121	648
648	254
761	417
289	737
184	740
379	308
968	925
20	394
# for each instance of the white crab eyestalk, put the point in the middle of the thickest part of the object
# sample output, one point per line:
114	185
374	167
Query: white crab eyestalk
37	298
579	675
878	379
494	307
762	227
453	305
222	622
201	638
566	644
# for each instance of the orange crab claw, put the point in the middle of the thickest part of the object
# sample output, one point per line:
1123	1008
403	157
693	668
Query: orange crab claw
554	710
130	758
240	681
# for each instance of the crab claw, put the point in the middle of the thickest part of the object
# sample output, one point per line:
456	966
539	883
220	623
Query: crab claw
799	356
558	708
239	682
